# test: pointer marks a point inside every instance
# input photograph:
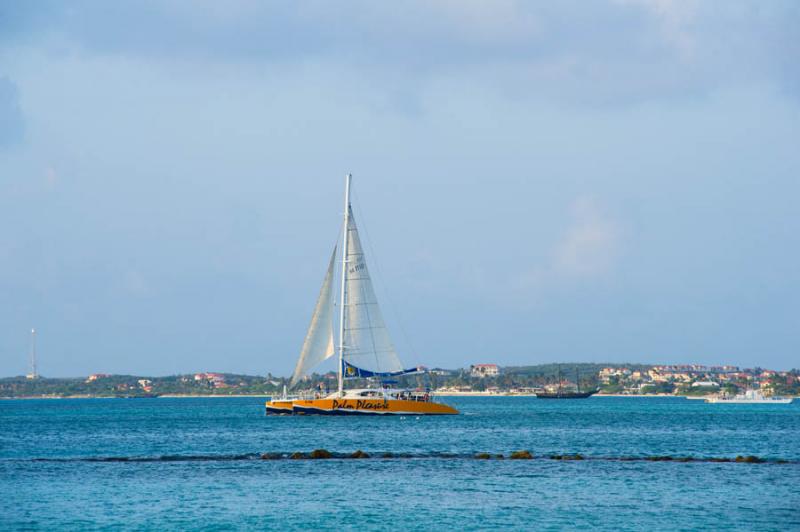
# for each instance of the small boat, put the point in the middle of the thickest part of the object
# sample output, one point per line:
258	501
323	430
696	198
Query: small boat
565	394
365	348
561	393
750	396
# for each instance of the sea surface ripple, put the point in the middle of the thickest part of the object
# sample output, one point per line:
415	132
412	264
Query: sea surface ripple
195	464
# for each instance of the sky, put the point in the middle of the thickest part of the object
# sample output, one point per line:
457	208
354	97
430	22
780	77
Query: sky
536	181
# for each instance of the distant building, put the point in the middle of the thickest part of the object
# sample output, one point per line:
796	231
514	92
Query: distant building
606	374
217	380
705	384
94	376
484	370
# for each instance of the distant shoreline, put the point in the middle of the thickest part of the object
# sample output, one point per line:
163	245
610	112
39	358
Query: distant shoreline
165	396
266	395
448	394
485	394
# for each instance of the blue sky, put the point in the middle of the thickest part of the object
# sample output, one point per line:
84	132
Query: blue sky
575	181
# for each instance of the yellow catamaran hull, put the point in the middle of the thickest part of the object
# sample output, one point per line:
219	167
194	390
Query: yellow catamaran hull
279	407
366	406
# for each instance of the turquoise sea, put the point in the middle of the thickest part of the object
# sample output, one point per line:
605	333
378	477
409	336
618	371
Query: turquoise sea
194	464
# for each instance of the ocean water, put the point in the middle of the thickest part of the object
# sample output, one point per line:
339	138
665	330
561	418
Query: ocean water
194	464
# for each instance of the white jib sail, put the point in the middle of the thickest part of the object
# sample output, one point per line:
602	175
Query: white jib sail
318	345
367	344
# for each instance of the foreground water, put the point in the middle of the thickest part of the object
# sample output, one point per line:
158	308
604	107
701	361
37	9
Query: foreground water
178	464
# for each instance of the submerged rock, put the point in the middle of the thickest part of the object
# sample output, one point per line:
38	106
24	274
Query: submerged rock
297	456
749	459
320	453
359	454
521	455
483	456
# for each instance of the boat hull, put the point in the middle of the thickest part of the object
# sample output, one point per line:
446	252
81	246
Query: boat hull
280	406
785	401
367	407
565	395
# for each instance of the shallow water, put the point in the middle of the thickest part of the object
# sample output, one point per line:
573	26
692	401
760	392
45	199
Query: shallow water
199	466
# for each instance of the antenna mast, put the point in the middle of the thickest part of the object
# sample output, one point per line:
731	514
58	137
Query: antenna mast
33	374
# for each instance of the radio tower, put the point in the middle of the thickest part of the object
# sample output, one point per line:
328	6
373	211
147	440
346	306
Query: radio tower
33	374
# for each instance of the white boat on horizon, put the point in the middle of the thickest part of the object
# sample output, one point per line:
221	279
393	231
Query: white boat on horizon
751	396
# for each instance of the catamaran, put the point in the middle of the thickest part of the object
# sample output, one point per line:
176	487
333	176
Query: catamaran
365	348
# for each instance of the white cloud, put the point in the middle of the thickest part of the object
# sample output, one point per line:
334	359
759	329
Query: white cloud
590	245
675	19
588	249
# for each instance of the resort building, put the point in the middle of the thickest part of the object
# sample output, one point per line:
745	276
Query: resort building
705	384
216	380
484	370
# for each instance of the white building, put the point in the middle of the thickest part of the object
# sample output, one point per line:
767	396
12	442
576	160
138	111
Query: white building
705	384
484	370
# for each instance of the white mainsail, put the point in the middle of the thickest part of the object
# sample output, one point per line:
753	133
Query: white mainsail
367	344
318	345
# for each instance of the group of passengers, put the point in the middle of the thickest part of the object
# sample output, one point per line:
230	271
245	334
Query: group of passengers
409	396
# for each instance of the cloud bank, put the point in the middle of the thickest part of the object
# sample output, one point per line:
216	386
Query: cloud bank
613	52
541	180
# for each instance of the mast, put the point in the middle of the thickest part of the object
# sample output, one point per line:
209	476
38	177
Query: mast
342	300
559	380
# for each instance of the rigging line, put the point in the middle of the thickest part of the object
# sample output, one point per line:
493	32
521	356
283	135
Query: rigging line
395	311
369	324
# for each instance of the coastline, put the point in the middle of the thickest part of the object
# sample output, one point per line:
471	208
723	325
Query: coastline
486	394
165	396
448	394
